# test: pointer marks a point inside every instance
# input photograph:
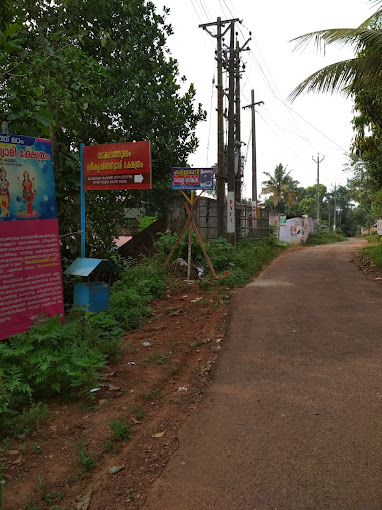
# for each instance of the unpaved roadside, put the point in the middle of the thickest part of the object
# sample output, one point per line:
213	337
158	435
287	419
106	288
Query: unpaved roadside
293	419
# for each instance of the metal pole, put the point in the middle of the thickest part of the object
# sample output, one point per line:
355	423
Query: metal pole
82	192
237	126
231	227
220	175
254	161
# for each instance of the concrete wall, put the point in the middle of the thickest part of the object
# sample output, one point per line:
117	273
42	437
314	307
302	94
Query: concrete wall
296	230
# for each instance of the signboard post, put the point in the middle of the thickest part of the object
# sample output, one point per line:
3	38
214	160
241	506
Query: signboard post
191	179
30	263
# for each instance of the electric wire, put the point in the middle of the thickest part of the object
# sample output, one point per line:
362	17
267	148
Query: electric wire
314	127
200	19
221	5
279	137
204	9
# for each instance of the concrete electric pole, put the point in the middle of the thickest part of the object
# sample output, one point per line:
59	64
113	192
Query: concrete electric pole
318	161
220	25
254	162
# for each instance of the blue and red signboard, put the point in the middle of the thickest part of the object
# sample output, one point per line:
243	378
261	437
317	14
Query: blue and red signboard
193	178
30	265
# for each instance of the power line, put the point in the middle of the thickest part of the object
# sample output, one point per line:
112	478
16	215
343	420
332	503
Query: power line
314	127
200	19
204	9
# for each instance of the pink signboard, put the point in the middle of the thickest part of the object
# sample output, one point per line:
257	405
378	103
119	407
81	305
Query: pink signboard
30	265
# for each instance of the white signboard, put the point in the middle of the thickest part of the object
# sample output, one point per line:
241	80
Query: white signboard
379	227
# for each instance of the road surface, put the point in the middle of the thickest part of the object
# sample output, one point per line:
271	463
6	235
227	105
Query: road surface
293	419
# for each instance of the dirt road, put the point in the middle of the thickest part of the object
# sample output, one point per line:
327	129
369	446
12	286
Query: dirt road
293	419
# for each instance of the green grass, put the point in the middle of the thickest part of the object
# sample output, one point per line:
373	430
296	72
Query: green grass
326	238
157	358
86	461
121	430
374	253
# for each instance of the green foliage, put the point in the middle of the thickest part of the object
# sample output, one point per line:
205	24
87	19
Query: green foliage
31	506
138	412
146	222
63	360
280	186
153	394
121	430
95	72
48	495
158	358
374	253
245	260
326	238
221	253
86	461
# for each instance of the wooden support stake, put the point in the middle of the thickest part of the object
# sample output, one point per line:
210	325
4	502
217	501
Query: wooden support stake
192	226
201	242
177	242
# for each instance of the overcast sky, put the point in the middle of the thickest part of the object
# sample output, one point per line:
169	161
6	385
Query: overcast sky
286	133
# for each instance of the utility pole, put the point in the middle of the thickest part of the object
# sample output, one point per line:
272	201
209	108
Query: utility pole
220	93
335	209
318	161
238	175
254	163
231	221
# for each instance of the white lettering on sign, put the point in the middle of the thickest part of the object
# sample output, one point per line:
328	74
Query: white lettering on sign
231	212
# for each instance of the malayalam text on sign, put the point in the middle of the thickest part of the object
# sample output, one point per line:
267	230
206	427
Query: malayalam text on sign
192	178
117	166
30	264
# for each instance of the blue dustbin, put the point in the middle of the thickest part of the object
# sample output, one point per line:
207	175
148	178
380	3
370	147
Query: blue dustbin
93	296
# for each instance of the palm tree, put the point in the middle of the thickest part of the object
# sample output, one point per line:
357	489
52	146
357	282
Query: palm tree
281	186
358	72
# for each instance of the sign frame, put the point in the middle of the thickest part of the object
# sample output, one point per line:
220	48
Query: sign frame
187	178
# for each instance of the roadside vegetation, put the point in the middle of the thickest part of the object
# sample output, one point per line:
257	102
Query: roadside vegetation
57	361
373	252
326	238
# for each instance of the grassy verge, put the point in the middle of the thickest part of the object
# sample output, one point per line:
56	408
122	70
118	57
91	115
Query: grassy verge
62	361
326	238
374	253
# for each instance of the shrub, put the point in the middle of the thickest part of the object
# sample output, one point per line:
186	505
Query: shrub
326	238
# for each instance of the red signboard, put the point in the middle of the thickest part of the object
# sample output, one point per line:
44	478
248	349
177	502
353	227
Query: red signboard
117	166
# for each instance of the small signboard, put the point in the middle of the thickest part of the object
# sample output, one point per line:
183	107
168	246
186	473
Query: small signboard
30	264
193	178
379	227
282	220
117	166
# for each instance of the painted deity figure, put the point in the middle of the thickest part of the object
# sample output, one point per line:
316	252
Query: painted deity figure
4	194
28	192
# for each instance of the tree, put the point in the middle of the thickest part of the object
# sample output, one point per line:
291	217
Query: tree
280	186
96	71
359	72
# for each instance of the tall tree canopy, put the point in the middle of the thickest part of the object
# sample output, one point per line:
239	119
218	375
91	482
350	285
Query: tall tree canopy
342	76
96	71
280	186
